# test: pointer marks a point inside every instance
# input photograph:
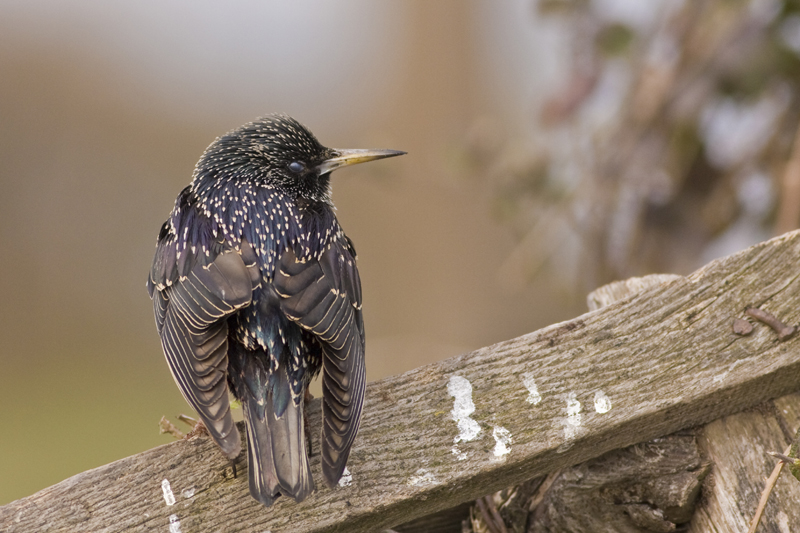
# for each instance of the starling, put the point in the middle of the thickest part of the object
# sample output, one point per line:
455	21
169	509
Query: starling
255	290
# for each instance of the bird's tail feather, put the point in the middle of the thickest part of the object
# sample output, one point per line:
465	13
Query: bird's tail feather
276	449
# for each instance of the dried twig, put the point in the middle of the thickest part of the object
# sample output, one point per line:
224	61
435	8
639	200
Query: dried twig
167	427
783	457
490	514
541	492
188	420
762	503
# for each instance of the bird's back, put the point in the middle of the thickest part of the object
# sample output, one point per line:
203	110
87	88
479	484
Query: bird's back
255	290
304	313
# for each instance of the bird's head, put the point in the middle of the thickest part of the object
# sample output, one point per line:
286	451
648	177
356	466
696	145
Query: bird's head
277	151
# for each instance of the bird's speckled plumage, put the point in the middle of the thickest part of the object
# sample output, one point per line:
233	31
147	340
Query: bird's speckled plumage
255	290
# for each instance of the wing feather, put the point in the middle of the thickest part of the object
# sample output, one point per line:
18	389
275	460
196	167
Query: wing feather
159	308
191	315
324	297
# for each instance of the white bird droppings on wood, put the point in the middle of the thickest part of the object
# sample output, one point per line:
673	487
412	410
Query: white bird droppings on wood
422	477
502	438
347	478
174	523
533	392
461	389
461	456
573	422
169	497
602	403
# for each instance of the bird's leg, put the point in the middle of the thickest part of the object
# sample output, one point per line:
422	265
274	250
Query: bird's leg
307	397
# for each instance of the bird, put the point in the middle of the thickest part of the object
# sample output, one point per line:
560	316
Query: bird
256	291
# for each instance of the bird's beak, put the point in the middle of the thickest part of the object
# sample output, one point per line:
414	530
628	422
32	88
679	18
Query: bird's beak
344	158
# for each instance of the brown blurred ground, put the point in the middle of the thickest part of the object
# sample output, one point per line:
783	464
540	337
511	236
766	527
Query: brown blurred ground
91	159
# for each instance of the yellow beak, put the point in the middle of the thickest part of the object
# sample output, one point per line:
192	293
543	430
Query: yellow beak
343	158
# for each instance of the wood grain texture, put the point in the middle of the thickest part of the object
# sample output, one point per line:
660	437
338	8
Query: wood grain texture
738	445
666	358
445	521
651	486
618	290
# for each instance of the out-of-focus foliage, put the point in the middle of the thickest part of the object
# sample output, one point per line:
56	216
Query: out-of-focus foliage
667	145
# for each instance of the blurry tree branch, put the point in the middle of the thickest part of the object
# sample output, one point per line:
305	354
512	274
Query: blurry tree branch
665	145
789	208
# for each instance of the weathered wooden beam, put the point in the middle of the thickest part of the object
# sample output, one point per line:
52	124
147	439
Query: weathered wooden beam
660	361
654	485
738	445
650	486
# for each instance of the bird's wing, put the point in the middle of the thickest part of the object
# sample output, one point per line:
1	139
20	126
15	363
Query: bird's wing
191	315
324	297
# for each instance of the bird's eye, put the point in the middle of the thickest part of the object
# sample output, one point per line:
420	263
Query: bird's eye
297	167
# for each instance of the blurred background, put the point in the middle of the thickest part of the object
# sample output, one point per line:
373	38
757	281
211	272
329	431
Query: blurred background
554	146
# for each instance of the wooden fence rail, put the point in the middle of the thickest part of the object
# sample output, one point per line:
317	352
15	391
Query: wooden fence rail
660	361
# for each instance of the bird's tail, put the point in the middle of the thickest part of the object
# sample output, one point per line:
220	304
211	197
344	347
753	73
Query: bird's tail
276	445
